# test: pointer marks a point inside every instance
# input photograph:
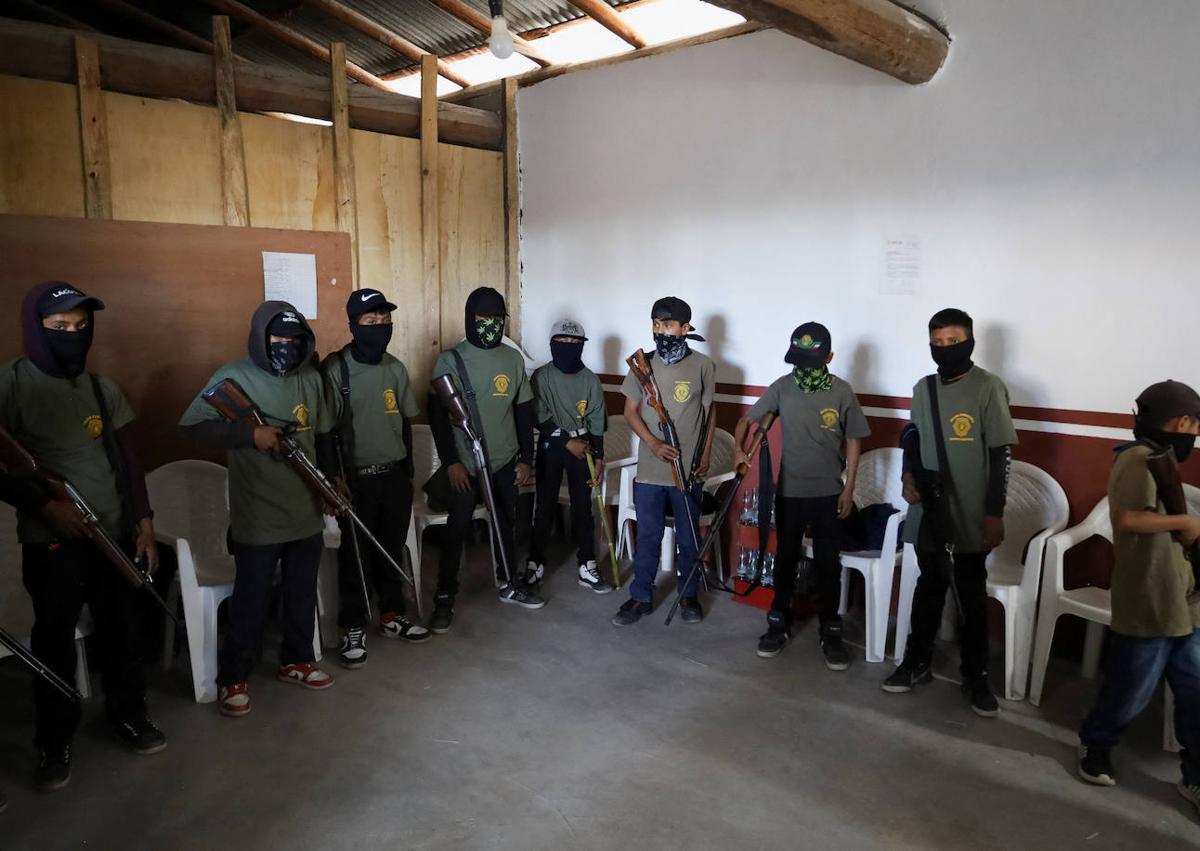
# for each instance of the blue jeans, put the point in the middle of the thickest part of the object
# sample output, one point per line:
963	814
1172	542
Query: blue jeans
1134	667
652	502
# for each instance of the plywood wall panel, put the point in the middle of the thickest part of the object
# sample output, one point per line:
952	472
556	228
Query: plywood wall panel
41	165
289	170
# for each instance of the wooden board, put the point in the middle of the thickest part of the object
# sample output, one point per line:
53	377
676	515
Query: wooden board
41	157
179	300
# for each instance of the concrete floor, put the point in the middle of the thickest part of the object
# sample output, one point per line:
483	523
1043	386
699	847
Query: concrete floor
553	729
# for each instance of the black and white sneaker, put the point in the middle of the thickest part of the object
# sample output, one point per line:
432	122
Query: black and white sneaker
535	572
778	634
907	676
140	733
353	650
524	597
398	626
979	692
54	769
589	577
837	657
443	614
1095	766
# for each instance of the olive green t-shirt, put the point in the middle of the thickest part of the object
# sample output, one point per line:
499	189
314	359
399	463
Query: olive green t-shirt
1153	591
687	388
498	376
975	419
58	422
268	501
571	401
380	399
815	425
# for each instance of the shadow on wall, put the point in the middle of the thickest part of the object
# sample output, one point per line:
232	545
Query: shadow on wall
992	353
614	355
716	334
861	369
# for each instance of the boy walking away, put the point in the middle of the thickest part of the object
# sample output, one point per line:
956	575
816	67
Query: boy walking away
373	404
571	422
492	378
275	518
76	425
687	382
823	428
1155	608
958	451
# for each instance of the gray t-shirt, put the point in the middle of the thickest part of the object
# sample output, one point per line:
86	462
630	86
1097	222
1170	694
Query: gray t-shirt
571	401
815	426
687	389
975	419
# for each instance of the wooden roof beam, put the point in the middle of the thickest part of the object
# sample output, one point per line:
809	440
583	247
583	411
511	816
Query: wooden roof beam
483	24
609	18
157	24
356	20
54	16
294	39
875	33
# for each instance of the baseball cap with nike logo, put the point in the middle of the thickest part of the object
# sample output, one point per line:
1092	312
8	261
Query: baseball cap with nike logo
367	301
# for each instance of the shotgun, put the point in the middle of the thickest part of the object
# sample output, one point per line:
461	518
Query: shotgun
38	667
1164	468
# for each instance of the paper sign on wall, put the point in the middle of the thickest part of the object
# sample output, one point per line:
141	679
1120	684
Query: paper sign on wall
901	267
291	278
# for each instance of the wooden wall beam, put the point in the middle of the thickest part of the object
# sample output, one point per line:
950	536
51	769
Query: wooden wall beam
343	155
157	24
48	53
431	243
235	196
875	33
93	131
481	22
512	211
294	39
367	26
609	18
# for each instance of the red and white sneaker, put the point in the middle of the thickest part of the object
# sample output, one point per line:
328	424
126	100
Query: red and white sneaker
304	674
235	701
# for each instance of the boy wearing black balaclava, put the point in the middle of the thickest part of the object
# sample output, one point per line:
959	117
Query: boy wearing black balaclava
373	406
275	517
504	400
571	423
77	425
967	520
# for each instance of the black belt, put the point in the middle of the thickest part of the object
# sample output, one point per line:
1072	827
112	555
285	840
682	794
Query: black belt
378	469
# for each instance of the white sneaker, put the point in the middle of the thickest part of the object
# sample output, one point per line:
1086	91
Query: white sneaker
353	650
402	628
534	573
589	577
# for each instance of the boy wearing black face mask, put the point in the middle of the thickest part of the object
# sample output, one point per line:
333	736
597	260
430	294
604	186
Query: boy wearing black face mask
76	424
275	518
571	421
1155	608
977	435
504	400
373	404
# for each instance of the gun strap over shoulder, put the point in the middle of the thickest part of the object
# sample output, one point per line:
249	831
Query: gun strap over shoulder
469	391
115	459
345	424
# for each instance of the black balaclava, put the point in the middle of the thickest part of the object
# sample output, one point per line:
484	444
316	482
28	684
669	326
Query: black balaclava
1181	443
567	356
61	354
370	341
486	333
953	361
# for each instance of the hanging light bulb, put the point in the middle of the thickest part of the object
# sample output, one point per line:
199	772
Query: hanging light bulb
500	42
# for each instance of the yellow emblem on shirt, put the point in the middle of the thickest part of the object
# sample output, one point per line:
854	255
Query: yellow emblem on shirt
683	391
501	383
581	407
300	412
93	425
389	402
961	424
829	419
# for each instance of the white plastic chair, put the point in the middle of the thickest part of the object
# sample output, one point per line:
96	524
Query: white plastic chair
16	609
1036	509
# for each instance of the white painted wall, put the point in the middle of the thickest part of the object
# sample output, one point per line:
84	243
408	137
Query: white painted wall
1051	172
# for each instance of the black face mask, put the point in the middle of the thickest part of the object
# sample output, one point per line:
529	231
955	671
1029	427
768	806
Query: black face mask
953	361
671	349
1181	443
486	333
370	341
287	355
568	357
70	349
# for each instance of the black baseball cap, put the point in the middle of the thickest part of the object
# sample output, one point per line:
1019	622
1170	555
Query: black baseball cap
673	307
63	297
367	301
1166	400
287	324
810	338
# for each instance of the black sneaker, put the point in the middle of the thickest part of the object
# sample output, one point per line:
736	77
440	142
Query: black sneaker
837	657
353	650
535	572
979	691
778	634
1095	765
907	676
523	597
54	769
443	614
140	733
690	611
631	612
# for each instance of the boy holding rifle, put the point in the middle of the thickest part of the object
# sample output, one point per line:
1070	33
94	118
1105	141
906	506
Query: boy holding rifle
821	417
571	422
76	424
685	382
275	516
1155	608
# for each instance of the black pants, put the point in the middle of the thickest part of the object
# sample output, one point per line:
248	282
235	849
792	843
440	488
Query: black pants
384	503
61	578
970	580
552	461
792	516
458	526
251	598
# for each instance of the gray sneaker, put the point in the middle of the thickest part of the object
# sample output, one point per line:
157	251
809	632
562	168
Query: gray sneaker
523	597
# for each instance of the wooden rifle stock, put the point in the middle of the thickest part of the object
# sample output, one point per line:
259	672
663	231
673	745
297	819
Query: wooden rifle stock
1164	468
639	365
